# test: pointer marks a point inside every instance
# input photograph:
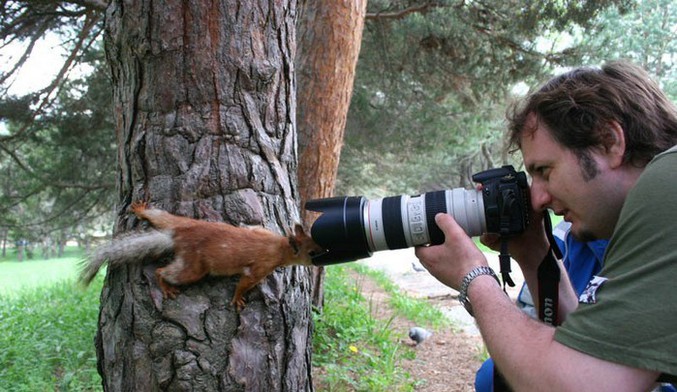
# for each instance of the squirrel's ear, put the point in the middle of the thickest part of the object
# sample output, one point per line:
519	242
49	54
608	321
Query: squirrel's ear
295	240
298	230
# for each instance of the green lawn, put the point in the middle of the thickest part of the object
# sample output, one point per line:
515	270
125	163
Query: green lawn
48	324
16	277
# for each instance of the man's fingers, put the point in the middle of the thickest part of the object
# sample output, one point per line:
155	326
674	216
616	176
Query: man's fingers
446	223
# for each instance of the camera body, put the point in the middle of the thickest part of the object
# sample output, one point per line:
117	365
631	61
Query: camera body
506	200
353	227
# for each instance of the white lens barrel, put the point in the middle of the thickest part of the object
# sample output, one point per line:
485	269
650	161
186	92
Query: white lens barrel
467	208
414	217
375	231
402	221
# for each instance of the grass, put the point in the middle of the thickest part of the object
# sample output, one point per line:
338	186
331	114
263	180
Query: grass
47	331
49	322
17	278
354	350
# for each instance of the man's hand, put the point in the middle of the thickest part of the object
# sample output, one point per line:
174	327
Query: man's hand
528	248
452	260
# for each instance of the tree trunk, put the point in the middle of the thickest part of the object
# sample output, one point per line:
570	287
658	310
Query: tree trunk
330	34
204	104
61	243
20	247
4	242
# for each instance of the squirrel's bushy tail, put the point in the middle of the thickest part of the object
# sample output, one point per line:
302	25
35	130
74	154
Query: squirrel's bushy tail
132	248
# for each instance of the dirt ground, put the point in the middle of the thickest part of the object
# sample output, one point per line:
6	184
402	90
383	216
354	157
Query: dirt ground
447	361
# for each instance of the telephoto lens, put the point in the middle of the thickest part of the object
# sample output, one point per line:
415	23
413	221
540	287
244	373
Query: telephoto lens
353	227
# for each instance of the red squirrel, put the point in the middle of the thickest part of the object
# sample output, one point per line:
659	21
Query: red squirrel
203	248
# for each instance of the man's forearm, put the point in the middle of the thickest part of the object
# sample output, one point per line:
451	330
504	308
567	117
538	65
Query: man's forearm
529	358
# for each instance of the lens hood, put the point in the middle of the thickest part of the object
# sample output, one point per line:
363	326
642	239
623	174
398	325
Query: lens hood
339	229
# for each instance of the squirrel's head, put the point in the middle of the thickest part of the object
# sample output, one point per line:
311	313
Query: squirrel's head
303	246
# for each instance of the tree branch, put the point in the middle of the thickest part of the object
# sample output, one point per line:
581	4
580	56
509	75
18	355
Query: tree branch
24	56
98	5
60	78
82	213
402	13
45	181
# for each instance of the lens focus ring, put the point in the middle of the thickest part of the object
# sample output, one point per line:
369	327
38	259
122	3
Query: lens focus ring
392	223
435	202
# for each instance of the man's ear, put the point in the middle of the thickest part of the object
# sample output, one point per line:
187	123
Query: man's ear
614	142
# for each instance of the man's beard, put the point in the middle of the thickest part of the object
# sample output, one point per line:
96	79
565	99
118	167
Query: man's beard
584	235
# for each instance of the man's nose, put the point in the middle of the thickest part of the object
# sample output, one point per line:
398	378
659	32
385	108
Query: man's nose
540	197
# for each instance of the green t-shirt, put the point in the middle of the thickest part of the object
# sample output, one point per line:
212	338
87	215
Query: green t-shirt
634	319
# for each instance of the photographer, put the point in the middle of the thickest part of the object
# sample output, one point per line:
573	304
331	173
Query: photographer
582	260
598	146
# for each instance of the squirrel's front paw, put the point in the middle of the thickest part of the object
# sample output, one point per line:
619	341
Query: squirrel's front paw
139	206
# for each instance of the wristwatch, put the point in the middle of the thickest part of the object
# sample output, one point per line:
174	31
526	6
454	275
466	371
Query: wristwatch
463	293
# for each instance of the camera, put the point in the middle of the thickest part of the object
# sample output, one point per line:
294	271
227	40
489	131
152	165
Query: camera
353	227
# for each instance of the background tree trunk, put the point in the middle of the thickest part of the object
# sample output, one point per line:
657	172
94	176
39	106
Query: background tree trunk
204	104
3	241
330	33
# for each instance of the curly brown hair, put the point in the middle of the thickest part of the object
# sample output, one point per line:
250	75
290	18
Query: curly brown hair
577	107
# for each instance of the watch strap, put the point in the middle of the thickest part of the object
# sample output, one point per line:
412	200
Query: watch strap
469	277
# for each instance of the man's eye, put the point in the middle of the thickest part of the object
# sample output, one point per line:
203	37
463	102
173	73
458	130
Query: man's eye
541	171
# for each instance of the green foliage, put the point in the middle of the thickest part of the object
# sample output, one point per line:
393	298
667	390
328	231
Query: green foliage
433	84
355	350
407	141
471	50
47	339
644	34
57	169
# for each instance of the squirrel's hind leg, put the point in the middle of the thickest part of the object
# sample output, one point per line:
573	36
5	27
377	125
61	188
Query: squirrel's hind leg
168	291
179	272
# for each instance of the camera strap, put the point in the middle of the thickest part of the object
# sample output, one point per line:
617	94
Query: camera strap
504	262
548	291
548	279
508	203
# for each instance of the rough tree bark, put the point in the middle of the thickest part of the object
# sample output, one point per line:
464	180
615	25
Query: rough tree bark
204	106
330	34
